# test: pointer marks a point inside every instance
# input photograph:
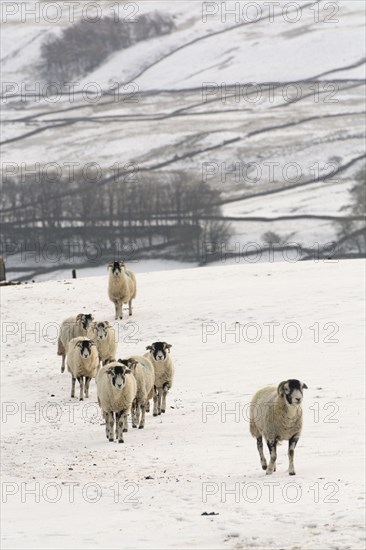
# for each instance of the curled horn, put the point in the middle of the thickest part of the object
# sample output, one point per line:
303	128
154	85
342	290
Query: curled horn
281	388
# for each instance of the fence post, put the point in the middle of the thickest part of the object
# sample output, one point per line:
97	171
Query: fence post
2	269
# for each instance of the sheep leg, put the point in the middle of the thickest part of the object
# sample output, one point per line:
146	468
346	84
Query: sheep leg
291	451
165	391
142	421
73	380
160	396
125	422
119	426
130	307
261	454
63	364
135	414
272	447
155	411
87	383
147	406
119	307
81	382
109	425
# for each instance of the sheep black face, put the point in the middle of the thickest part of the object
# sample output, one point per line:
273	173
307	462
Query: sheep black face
85	319
117	267
291	390
101	330
85	348
117	376
159	350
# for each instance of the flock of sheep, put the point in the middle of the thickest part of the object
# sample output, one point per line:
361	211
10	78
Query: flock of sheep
126	386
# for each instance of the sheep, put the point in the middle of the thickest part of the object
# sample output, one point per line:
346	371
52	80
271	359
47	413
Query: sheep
276	414
121	287
143	371
116	388
82	362
104	336
72	327
159	355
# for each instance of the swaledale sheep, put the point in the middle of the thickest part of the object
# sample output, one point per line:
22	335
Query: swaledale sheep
104	336
72	327
82	362
276	414
143	371
121	287
116	388
159	355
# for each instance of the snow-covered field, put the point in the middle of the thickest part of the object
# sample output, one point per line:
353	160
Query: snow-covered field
65	486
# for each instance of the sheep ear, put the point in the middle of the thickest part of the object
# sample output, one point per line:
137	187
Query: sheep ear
110	371
107	323
132	364
110	265
149	348
168	346
281	388
128	371
304	387
79	317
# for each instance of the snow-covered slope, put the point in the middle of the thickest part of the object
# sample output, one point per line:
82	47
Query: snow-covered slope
178	123
181	465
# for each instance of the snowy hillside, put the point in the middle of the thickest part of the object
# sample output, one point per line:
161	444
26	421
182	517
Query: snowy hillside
278	97
152	491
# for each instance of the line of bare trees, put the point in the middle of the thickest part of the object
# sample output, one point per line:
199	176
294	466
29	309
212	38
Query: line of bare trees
165	208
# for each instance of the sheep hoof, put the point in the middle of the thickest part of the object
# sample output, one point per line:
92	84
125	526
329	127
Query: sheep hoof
163	410
120	441
264	466
292	473
141	427
269	472
81	399
155	414
111	440
134	425
125	430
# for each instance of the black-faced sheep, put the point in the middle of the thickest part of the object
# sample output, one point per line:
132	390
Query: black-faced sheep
159	355
82	363
121	287
276	414
143	372
72	327
104	336
116	388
